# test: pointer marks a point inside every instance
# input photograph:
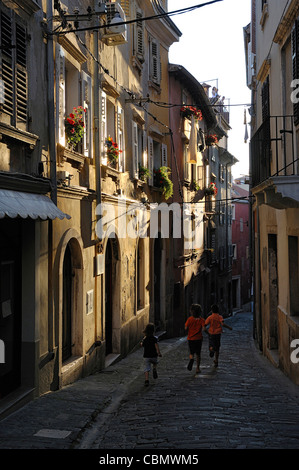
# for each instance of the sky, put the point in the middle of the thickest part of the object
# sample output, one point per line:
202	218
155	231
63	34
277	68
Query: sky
211	48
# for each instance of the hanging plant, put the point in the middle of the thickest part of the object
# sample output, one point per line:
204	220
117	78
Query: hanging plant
194	186
163	181
211	139
211	190
144	173
74	125
112	151
189	111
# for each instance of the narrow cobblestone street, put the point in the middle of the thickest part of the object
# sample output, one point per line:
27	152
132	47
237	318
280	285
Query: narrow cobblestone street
244	404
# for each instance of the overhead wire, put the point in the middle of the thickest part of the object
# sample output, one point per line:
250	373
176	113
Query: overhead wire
148	18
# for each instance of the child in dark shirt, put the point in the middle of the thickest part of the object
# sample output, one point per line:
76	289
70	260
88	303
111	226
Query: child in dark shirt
151	352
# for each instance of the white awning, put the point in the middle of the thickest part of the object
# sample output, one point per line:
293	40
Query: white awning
28	205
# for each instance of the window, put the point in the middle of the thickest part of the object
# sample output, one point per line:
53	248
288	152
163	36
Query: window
155	64
13	72
73	89
139	148
138	43
111	125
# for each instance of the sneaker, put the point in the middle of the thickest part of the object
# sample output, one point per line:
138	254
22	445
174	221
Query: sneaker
146	383
211	352
155	373
190	365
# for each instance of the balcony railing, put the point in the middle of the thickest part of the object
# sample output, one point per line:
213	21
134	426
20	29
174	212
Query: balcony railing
273	149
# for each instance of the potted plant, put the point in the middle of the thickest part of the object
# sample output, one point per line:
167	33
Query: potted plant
211	190
211	139
189	111
144	173
194	186
163	181
74	126
112	151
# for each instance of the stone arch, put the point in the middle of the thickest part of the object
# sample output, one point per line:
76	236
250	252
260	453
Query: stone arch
71	241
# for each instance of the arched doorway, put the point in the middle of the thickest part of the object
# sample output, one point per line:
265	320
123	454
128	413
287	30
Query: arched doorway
67	304
71	305
108	298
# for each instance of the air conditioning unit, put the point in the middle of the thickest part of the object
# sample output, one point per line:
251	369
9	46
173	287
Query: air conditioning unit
115	33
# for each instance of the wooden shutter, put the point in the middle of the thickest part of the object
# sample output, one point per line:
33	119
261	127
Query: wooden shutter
135	149
7	73
144	149
120	138
139	36
150	153
295	65
86	103
60	94
164	155
155	62
103	124
21	73
125	4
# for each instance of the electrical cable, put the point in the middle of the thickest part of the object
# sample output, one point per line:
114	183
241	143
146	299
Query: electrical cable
152	17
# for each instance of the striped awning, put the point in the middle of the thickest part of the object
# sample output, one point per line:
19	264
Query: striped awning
28	205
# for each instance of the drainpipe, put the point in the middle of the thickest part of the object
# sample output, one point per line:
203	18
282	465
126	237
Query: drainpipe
51	111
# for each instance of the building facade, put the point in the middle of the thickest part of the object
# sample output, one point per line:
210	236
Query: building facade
241	267
272	40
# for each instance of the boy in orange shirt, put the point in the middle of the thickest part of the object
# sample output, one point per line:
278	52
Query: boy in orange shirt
215	323
195	324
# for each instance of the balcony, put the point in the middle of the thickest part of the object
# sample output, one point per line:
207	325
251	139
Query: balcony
274	163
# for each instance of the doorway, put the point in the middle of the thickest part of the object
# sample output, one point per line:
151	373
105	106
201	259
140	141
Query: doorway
108	298
67	305
10	305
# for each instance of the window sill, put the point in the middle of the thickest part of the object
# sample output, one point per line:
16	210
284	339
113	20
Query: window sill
17	134
75	158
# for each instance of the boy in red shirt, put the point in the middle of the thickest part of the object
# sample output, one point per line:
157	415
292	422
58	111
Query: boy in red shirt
195	324
215	323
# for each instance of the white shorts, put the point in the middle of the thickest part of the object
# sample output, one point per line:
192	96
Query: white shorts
148	361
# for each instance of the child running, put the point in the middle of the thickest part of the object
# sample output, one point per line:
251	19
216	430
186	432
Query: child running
151	352
195	324
215	323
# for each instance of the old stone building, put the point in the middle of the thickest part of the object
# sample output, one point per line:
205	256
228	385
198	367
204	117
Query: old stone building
272	50
81	273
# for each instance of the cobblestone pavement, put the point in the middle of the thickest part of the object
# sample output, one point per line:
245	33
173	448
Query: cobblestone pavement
245	403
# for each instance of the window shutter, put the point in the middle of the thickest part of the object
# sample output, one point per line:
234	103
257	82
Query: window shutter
21	73
60	94
155	62
135	149
103	124
295	64
144	150
120	138
125	4
7	64
164	155
150	153
139	36
86	103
